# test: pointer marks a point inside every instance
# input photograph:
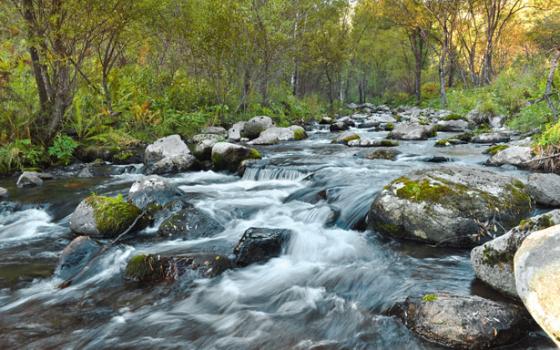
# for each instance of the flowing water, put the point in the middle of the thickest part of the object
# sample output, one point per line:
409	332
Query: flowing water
328	291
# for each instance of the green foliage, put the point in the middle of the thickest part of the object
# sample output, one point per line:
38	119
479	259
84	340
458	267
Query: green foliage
19	155
550	136
430	298
63	148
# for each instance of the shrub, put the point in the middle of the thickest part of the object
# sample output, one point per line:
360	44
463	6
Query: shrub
63	148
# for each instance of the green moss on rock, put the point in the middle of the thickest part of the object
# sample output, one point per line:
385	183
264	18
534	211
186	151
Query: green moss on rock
424	190
389	143
254	154
299	134
454	116
389	127
442	143
112	215
493	150
428	298
147	268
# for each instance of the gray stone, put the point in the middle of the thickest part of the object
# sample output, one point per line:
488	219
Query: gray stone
493	261
383	153
545	189
85	173
169	155
537	280
152	190
215	130
476	118
228	156
450	206
339	126
453	125
75	257
260	244
234	133
274	135
190	223
346	137
203	137
463	322
29	179
491	137
203	145
3	193
513	155
253	128
412	132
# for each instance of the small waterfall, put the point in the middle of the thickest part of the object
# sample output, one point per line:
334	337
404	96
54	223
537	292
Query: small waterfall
274	173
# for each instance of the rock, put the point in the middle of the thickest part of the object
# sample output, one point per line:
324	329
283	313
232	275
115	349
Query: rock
514	155
477	118
85	173
3	193
412	132
497	121
384	153
493	261
260	244
373	143
449	142
326	120
537	280
491	137
154	268
253	128
450	206
234	133
437	159
346	137
203	145
228	156
545	189
103	217
75	257
215	130
190	223
275	135
32	179
152	190
339	126
458	125
169	155
352	106
462	322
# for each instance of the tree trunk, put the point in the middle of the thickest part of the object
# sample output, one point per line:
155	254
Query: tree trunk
550	83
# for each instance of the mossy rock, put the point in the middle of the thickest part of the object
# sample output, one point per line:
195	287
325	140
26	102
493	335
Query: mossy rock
495	149
299	134
450	206
228	156
454	116
104	217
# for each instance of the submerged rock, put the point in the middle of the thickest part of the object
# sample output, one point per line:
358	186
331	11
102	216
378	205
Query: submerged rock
514	155
169	155
260	244
253	128
545	189
537	280
154	268
493	261
463	322
152	190
103	217
412	132
450	206
492	137
75	257
32	179
228	156
274	135
384	153
190	223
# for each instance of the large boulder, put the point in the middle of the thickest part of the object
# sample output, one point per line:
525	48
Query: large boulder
190	223
451	206
274	135
545	189
75	257
412	132
152	189
203	144
491	137
493	261
458	125
234	133
169	155
253	128
514	155
537	280
228	156
260	244
154	268
103	217
462	322
32	179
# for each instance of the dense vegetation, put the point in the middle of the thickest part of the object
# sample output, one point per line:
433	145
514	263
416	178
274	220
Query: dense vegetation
77	74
